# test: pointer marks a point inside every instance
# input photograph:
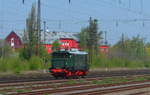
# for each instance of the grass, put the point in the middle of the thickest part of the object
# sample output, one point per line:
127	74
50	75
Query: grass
46	94
71	82
16	65
23	90
81	81
118	80
102	61
3	93
75	81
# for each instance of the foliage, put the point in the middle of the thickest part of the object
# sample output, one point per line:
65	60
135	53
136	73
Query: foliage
135	48
11	65
35	63
83	38
32	45
89	38
55	45
5	49
102	61
17	65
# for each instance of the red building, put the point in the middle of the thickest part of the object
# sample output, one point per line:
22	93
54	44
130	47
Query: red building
48	48
104	48
66	43
14	40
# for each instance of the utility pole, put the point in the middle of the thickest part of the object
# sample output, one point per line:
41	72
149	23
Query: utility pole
44	31
39	21
105	37
59	26
122	41
129	4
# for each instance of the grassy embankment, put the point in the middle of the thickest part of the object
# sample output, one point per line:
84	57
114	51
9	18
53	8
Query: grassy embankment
110	63
16	65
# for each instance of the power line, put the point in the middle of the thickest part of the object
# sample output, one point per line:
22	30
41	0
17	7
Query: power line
66	12
126	9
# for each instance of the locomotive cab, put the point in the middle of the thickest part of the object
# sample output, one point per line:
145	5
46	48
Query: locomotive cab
69	63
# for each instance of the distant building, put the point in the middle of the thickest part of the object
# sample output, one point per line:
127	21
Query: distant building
104	49
66	43
14	40
69	43
68	40
50	37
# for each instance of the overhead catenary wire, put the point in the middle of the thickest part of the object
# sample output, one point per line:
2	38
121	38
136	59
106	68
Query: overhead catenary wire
111	20
104	20
126	9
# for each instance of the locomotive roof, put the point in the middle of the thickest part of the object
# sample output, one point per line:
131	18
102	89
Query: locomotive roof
78	52
73	52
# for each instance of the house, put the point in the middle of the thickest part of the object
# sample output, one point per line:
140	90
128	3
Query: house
14	40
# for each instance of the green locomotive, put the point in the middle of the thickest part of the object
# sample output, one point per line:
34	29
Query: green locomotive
69	64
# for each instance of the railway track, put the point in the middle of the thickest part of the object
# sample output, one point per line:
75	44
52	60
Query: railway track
47	76
73	86
91	85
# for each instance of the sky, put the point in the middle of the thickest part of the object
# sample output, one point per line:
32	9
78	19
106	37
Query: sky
117	17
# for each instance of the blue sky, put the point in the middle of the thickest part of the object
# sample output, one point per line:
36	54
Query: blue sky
114	17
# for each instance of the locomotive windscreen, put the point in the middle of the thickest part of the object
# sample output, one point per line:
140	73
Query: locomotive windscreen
59	59
60	55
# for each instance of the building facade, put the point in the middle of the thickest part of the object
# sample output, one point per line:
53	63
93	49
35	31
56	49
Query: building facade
14	40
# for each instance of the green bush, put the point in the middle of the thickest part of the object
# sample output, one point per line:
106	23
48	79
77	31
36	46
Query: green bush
147	64
17	65
36	63
104	62
136	64
14	65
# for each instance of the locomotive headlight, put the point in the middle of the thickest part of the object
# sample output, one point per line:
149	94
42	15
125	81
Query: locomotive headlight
70	56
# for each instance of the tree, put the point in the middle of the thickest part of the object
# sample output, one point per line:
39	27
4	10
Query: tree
32	47
55	45
83	36
90	37
135	48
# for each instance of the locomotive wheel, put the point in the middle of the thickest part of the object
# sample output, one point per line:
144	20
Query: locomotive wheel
63	77
75	77
82	76
56	77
